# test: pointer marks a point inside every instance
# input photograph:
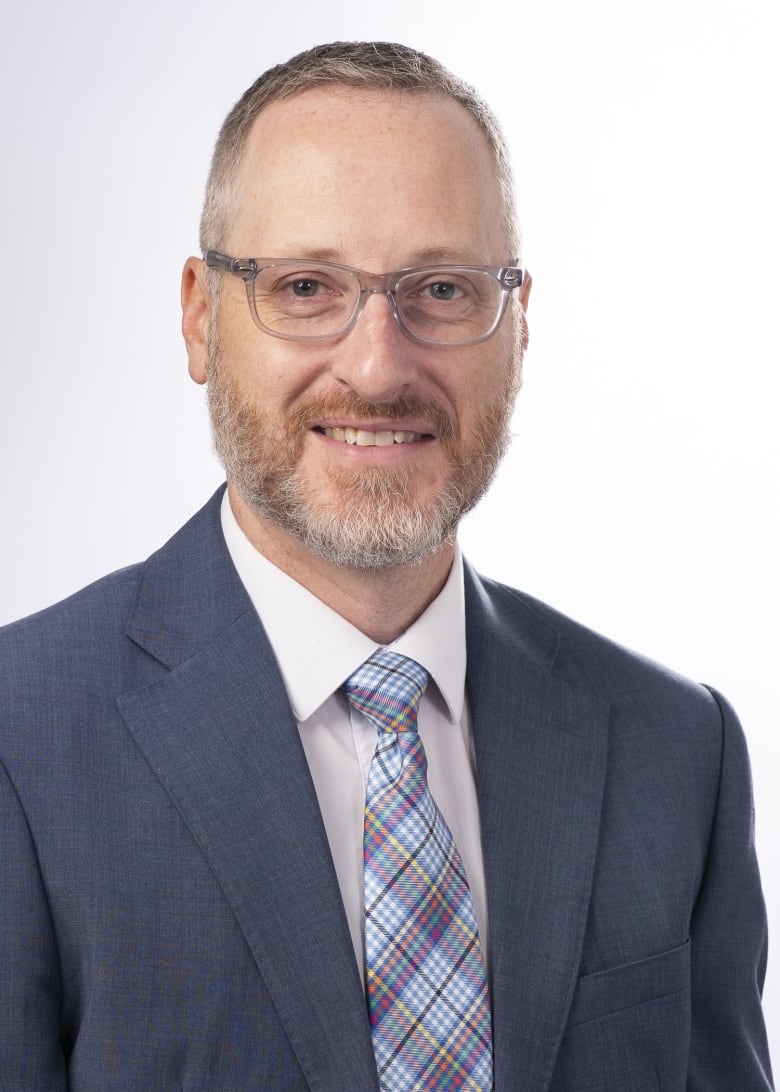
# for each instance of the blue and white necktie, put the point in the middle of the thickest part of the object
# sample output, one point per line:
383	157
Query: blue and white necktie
425	975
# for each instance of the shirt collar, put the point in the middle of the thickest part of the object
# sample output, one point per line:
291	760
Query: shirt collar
316	649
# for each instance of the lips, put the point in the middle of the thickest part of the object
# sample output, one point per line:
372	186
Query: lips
372	438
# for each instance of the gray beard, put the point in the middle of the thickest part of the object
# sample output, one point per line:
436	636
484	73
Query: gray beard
375	524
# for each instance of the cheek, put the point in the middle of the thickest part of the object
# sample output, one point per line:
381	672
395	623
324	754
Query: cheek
487	382
266	369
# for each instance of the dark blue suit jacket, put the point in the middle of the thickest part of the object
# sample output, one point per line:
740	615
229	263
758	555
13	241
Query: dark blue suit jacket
169	912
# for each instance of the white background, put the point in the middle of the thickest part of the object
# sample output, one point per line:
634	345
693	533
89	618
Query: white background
641	491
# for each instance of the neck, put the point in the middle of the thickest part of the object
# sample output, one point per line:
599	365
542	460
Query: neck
380	603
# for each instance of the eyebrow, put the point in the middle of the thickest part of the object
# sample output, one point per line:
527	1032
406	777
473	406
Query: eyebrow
448	256
315	254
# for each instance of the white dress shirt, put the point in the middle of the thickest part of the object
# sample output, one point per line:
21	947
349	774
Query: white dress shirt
317	650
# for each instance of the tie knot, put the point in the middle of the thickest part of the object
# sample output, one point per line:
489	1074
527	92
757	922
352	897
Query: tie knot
386	690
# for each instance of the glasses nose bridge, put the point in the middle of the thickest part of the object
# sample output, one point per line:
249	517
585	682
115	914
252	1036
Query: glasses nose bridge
378	284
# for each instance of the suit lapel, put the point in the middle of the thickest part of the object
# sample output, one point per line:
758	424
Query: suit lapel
541	757
219	733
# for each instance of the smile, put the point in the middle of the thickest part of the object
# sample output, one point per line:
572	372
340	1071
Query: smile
365	438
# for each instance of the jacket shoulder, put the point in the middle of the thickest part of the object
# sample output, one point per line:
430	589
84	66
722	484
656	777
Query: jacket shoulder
582	656
102	603
75	647
123	606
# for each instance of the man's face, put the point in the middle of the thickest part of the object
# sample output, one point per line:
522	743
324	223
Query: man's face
379	182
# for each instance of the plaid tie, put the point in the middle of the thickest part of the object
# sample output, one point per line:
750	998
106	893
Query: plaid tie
427	989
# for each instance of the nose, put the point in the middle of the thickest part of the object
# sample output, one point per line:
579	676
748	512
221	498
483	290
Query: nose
375	358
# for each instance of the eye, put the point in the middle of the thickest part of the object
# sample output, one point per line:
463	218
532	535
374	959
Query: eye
443	290
438	286
305	287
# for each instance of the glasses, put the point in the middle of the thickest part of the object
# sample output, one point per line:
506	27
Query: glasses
301	300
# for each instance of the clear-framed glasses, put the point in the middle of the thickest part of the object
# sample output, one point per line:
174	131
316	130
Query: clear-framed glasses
303	300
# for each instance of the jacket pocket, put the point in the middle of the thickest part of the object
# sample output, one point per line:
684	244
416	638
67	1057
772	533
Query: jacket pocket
630	984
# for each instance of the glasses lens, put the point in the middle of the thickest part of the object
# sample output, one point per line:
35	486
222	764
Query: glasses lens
449	305
305	301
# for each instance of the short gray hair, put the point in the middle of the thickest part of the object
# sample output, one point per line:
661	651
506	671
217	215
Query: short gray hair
380	66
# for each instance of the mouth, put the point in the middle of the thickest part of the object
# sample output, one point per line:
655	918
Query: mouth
362	437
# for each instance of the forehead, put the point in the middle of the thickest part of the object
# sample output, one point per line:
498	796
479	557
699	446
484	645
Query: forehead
364	169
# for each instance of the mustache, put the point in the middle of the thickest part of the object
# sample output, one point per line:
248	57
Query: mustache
350	405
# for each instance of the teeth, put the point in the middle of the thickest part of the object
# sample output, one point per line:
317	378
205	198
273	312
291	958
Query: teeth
364	438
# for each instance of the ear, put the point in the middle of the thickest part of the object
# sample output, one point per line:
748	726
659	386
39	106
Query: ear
525	294
195	317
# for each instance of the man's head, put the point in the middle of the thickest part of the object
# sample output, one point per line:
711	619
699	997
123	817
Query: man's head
372	157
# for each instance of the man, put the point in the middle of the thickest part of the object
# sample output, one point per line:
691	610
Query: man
204	784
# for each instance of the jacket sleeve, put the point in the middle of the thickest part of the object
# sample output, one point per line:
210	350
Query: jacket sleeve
729	940
30	1052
